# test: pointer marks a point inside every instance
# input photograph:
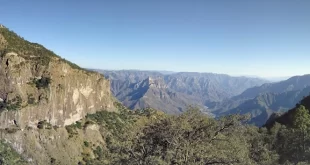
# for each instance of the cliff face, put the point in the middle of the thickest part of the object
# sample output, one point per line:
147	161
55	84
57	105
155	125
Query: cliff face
36	85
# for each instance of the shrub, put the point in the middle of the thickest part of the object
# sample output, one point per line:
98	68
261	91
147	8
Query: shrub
9	156
71	129
86	143
78	125
11	130
44	125
13	104
27	49
53	160
43	82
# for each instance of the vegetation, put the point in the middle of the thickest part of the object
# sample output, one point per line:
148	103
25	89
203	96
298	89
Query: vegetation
12	130
147	136
72	129
44	125
17	44
30	51
42	83
8	155
14	104
86	144
11	105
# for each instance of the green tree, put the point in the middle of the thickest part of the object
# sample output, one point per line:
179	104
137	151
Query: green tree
192	138
301	124
301	119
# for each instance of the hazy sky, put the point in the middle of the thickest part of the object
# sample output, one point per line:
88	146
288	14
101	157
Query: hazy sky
268	38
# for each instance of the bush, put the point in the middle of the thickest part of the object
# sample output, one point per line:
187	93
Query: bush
10	105
88	122
43	82
78	125
71	129
44	125
53	160
113	121
9	156
11	130
86	143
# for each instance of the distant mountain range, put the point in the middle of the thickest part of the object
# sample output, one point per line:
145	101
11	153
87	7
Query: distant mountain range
291	84
266	99
215	94
173	92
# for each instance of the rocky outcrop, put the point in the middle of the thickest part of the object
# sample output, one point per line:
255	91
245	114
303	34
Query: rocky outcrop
35	87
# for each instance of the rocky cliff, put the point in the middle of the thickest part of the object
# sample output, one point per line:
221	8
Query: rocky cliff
37	85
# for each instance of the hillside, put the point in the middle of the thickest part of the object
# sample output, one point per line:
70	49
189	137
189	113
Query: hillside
180	89
266	99
287	117
291	84
155	93
263	105
39	89
32	78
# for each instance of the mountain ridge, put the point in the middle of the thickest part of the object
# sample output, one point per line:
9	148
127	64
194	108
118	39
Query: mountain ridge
267	99
188	88
293	83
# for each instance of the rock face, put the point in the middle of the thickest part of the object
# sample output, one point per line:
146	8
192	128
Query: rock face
38	146
37	85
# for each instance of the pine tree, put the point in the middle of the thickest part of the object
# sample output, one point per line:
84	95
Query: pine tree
301	122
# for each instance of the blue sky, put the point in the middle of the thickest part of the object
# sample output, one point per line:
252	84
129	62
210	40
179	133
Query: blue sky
267	38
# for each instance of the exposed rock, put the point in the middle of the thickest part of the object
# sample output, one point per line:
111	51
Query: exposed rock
36	85
39	146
